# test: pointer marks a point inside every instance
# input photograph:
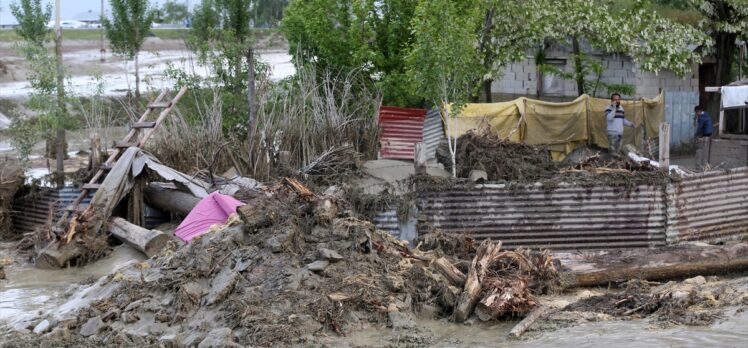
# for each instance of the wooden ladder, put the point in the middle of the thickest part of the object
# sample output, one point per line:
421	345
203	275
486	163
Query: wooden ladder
130	140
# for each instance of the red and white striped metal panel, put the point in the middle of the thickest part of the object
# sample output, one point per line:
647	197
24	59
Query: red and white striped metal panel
400	130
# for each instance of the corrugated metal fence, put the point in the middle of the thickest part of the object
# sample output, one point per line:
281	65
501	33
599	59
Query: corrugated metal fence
33	210
400	130
570	217
709	207
679	114
433	132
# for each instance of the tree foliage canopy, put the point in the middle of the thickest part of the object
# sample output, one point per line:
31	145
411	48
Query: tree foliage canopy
32	20
130	25
173	12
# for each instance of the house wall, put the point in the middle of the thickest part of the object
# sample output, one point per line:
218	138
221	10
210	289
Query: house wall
520	78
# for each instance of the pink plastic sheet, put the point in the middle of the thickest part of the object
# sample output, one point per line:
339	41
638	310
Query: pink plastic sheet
211	210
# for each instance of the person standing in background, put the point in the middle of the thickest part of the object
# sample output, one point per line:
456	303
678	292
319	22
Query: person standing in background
615	115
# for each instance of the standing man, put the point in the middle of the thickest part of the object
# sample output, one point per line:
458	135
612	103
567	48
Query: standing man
616	121
704	127
704	130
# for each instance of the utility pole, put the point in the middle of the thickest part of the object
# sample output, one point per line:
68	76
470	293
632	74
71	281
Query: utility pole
102	51
60	138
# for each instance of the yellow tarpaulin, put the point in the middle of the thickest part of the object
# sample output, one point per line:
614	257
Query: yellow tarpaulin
563	127
499	118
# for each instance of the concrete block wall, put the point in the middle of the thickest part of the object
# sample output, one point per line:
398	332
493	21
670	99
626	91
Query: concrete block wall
519	78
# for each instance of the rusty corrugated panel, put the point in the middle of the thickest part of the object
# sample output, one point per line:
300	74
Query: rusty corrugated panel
387	221
567	217
433	132
400	130
709	207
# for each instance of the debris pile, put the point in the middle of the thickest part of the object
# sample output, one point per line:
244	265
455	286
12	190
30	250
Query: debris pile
695	301
11	179
296	265
503	160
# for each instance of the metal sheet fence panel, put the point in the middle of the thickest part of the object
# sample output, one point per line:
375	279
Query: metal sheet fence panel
709	207
433	132
387	221
400	130
565	218
679	114
33	211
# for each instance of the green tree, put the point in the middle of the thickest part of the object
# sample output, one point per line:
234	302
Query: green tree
442	60
726	21
654	43
364	35
32	20
173	12
130	24
268	13
223	40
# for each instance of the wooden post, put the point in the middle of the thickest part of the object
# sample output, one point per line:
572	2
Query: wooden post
665	147
721	121
95	157
419	159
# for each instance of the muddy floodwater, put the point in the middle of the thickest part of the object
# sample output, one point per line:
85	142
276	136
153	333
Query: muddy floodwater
29	291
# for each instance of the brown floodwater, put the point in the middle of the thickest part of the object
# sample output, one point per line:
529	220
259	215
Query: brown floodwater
28	290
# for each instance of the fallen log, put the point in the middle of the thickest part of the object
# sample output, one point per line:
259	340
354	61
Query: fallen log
658	264
539	312
663	272
149	242
485	255
56	256
449	271
171	200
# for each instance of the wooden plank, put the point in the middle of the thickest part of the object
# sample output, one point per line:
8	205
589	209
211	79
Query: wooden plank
163	115
140	125
124	145
90	186
159	105
721	122
713	89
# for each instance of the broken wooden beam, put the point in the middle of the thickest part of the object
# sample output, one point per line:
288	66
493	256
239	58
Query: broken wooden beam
124	144
146	124
159	105
449	271
539	312
149	242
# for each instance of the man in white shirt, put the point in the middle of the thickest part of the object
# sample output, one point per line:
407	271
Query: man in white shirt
615	116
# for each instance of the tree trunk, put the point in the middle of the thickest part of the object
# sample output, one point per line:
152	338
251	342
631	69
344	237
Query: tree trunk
252	119
53	256
171	200
484	256
725	55
61	110
137	78
487	90
149	242
505	296
578	71
659	264
60	158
